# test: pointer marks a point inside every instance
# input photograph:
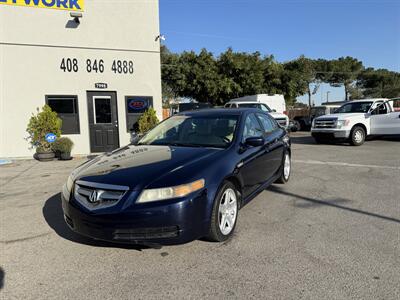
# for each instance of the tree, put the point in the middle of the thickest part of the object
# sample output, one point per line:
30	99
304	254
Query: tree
301	73
172	78
344	72
379	83
243	73
201	76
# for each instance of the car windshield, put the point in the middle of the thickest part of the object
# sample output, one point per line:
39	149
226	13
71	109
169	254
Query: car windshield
263	107
355	107
193	131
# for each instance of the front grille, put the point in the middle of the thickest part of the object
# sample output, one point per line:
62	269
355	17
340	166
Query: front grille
282	121
95	195
325	123
146	233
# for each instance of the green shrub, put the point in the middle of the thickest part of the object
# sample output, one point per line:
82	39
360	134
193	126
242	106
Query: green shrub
63	145
147	121
44	122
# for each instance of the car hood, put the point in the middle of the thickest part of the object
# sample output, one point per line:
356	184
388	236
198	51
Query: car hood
138	166
277	115
341	116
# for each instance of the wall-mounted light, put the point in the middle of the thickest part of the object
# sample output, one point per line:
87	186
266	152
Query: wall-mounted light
160	37
76	16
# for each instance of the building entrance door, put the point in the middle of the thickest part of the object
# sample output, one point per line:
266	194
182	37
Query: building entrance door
103	121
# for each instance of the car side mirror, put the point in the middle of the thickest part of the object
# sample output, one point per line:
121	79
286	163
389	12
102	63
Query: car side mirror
273	110
255	141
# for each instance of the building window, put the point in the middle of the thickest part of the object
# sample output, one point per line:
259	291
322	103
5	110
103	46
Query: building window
67	109
135	106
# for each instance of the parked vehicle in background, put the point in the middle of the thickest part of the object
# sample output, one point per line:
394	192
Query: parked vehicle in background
356	120
181	107
282	119
275	102
303	122
187	178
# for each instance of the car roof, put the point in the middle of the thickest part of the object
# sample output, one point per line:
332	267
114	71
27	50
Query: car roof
244	102
219	111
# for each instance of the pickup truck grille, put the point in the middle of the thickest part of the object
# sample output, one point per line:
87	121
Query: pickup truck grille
325	123
94	195
282	121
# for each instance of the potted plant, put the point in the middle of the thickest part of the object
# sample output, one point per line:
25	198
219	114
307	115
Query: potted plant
147	121
43	123
63	146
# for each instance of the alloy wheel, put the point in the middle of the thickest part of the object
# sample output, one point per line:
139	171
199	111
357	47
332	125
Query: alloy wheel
358	136
286	166
227	211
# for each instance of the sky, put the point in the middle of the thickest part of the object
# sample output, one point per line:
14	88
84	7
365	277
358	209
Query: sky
368	30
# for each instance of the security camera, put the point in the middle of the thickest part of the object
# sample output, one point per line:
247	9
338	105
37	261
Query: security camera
160	37
76	16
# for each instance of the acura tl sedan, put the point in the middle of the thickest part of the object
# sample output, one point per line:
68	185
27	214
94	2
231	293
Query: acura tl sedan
185	179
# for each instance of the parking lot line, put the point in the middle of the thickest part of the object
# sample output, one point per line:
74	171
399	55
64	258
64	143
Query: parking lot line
333	163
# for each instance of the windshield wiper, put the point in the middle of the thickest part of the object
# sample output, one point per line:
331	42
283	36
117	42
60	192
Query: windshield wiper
185	145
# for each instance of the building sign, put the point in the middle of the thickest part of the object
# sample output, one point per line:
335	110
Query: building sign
138	104
101	85
50	137
73	5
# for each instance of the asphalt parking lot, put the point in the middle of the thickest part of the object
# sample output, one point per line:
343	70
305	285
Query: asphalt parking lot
333	232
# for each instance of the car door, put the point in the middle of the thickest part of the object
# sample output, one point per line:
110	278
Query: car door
383	120
252	170
273	144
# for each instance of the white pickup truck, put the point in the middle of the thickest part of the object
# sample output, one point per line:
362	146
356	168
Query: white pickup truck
356	120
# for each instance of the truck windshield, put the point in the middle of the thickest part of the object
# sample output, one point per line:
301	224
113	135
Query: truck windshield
317	111
262	106
355	107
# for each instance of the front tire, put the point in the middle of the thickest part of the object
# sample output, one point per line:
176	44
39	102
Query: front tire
286	168
224	214
357	136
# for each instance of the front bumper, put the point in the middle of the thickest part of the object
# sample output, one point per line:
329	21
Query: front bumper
330	133
175	222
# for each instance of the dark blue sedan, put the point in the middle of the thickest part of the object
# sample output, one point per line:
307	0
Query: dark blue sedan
185	179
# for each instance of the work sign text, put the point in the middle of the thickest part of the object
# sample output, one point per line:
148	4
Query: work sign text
73	5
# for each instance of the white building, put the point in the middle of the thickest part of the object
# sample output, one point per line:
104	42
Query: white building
98	67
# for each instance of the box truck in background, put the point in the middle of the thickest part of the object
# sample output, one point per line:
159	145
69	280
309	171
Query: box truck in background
275	102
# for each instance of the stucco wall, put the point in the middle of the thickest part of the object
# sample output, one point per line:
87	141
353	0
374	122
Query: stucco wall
33	43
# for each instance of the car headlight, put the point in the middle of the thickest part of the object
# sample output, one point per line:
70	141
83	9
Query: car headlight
67	188
179	191
342	123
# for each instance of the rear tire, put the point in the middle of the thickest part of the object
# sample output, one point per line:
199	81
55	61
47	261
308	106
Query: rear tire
224	214
357	136
286	168
297	126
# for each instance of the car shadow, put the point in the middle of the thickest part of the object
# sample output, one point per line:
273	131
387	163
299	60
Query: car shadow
2	275
309	140
54	216
336	203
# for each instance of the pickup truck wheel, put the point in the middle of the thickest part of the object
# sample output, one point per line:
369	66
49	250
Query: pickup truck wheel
286	168
297	126
357	136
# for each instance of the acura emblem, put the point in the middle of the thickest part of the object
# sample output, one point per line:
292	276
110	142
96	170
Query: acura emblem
93	198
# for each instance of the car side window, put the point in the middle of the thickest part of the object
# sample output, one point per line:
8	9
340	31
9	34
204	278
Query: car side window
264	108
268	123
382	109
252	127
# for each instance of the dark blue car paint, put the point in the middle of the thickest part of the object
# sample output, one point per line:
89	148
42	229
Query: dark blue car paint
252	169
